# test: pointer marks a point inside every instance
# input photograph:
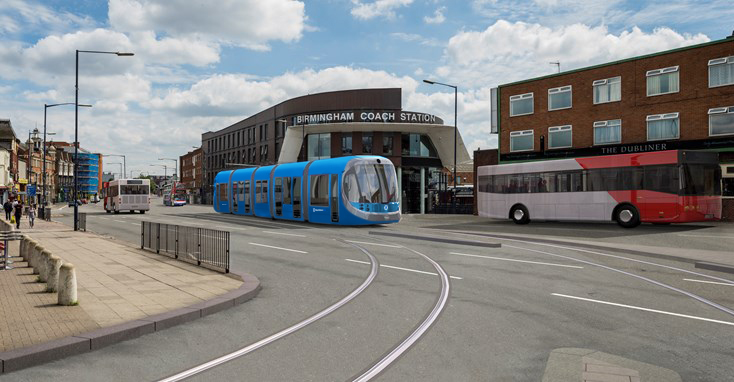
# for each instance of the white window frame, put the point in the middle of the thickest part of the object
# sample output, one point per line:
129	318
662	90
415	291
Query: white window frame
606	124
657	72
554	129
719	110
521	97
607	81
562	89
520	134
658	117
719	61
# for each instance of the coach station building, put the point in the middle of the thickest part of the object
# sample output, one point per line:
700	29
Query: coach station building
341	123
676	99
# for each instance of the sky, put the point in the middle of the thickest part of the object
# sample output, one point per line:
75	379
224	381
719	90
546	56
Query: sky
202	65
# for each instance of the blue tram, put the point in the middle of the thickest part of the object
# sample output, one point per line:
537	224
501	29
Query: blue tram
354	190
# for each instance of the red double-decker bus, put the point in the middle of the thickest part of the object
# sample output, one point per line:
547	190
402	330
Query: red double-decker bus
661	187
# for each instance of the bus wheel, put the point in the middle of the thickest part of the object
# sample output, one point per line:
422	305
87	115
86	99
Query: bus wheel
117	211
142	211
519	214
108	211
627	216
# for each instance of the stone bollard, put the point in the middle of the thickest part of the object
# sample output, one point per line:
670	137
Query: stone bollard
23	246
54	264
67	285
35	250
43	262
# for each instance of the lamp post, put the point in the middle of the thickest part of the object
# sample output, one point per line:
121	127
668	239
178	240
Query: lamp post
174	161
165	169
33	140
453	194
122	175
124	165
45	109
76	129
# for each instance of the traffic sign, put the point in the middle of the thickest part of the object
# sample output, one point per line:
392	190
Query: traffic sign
31	190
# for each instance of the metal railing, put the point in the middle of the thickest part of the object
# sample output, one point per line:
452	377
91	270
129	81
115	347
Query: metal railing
82	222
202	246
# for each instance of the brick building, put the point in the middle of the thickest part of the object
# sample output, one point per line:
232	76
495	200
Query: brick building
192	174
677	99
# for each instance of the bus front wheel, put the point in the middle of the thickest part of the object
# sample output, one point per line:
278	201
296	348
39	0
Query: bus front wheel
519	214
627	216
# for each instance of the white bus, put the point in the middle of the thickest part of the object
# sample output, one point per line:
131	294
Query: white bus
127	195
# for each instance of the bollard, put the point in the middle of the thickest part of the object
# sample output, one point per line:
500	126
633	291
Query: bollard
35	257
54	263
67	285
23	246
43	262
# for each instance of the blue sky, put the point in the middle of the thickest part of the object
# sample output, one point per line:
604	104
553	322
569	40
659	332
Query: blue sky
202	65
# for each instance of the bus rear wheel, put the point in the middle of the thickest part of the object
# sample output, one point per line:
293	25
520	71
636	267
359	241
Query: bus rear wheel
142	211
519	214
627	216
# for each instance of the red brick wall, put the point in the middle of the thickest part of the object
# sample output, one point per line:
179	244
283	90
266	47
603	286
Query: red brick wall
692	101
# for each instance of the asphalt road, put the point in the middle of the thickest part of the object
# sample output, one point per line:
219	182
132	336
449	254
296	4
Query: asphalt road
507	307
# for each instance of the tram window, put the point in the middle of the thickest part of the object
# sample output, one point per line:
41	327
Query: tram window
258	194
264	191
351	187
319	190
247	195
287	190
296	190
222	191
277	189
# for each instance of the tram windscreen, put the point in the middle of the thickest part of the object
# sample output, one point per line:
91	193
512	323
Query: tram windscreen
371	183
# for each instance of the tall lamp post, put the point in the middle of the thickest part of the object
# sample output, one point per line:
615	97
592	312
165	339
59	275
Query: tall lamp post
165	169
124	165
33	140
45	109
122	176
453	194
76	129
174	161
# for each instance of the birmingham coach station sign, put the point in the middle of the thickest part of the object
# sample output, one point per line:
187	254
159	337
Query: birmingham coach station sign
367	116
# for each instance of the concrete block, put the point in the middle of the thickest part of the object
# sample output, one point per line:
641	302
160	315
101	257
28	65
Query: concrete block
113	334
54	264
37	354
67	285
43	263
213	306
173	318
714	266
36	257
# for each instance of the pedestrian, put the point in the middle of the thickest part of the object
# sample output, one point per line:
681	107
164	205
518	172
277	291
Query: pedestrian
8	207
31	214
18	213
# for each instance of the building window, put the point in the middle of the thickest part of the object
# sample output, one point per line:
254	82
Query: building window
367	143
522	140
662	81
607	90
606	132
319	146
560	136
559	98
387	144
418	145
721	71
521	104
266	132
346	143
663	126
721	120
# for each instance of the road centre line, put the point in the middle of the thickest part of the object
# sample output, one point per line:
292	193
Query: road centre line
377	244
644	309
403	269
284	249
519	261
708	282
286	234
265	341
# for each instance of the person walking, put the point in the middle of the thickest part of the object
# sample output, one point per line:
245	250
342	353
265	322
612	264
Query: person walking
8	207
18	213
31	214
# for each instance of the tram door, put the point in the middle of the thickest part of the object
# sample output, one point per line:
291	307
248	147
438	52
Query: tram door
334	201
297	197
248	196
240	196
278	196
234	198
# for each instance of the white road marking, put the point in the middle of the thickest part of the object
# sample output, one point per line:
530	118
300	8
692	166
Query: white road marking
284	249
403	269
644	309
105	218
519	261
135	223
283	233
714	236
708	282
377	244
119	221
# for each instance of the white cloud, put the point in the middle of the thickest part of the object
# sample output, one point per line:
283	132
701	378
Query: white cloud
505	52
378	8
25	16
437	18
246	23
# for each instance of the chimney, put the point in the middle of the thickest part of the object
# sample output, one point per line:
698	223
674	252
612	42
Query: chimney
732	35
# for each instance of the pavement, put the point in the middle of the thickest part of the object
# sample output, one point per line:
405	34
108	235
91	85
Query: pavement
118	284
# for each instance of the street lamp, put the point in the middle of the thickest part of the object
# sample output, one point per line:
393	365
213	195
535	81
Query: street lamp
76	129
33	140
122	176
453	194
124	165
45	109
174	161
165	169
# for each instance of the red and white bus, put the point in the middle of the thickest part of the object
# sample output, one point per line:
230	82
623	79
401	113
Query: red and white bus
127	195
657	187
